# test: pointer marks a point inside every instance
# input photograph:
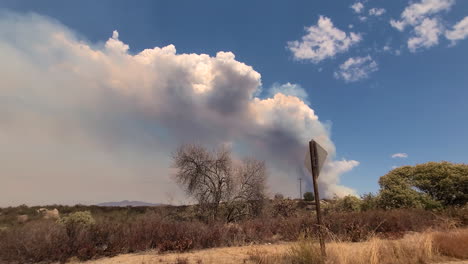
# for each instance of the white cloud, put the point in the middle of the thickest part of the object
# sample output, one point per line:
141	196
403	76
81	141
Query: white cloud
415	13
337	167
400	155
322	41
115	34
459	31
362	18
357	68
400	25
357	7
376	11
426	34
103	120
425	29
288	89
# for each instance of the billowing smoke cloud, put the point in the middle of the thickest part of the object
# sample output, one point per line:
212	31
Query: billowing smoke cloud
83	122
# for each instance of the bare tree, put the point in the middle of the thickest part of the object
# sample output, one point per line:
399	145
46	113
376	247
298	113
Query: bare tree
248	191
214	179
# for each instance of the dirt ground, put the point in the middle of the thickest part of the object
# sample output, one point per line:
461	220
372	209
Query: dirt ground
226	255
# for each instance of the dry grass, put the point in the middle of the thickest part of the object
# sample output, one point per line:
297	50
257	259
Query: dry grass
416	248
452	244
258	256
225	255
304	252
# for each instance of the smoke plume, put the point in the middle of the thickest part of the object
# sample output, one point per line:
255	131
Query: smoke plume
87	122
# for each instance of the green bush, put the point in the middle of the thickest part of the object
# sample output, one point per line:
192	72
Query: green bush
309	196
348	203
83	218
279	196
369	201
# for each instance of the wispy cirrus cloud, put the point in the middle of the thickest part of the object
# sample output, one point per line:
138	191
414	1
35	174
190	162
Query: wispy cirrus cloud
322	41
400	155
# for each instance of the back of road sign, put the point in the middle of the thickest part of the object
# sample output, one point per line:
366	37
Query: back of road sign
322	156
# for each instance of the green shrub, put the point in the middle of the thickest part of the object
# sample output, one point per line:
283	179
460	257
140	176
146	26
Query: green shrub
279	196
83	218
348	203
309	196
369	201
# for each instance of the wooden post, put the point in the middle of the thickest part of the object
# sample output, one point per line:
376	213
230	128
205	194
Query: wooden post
315	173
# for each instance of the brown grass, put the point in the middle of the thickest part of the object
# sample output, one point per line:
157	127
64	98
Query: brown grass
258	256
452	244
182	260
416	248
411	249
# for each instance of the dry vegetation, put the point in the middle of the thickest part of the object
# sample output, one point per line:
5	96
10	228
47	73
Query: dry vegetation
414	248
105	232
426	247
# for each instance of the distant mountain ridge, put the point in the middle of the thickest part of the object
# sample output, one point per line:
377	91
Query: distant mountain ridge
126	203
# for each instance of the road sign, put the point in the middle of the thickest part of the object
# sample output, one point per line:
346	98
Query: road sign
321	157
315	158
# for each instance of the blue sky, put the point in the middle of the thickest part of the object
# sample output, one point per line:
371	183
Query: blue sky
412	99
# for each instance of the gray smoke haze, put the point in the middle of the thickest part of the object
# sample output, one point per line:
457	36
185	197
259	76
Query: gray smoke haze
85	122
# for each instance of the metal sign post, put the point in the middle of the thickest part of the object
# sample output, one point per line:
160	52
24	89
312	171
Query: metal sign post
317	159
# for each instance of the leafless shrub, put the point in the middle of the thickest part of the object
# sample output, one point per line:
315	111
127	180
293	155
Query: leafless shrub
247	194
34	242
284	208
360	226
